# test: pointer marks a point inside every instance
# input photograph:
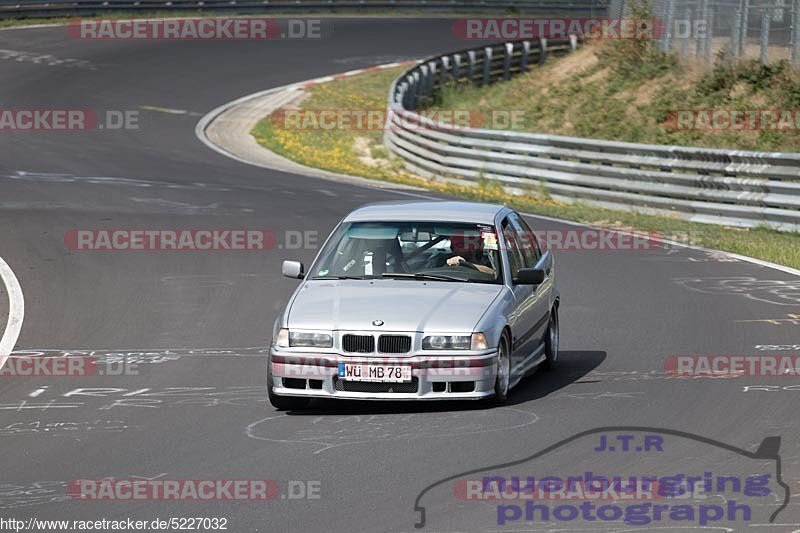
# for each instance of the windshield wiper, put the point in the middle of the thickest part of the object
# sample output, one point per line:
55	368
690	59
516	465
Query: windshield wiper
433	277
342	277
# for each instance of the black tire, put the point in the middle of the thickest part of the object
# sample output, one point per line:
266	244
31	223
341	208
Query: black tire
551	342
503	378
283	403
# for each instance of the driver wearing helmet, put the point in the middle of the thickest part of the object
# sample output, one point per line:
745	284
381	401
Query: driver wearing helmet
468	251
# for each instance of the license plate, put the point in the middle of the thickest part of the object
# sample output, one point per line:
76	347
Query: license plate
376	373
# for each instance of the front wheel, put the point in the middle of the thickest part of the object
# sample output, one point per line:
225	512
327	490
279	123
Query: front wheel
283	403
551	342
503	373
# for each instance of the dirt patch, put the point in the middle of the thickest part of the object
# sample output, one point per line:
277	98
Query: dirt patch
363	147
571	64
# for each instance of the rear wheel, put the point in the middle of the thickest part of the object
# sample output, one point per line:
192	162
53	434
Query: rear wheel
551	342
503	377
283	403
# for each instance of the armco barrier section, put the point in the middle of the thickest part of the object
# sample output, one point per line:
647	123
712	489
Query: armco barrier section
730	187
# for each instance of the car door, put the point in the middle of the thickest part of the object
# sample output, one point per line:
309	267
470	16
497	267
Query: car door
523	319
533	257
538	299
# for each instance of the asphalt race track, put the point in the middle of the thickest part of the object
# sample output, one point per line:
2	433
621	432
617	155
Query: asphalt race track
196	323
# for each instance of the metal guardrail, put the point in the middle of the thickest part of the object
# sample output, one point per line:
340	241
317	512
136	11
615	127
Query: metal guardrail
65	8
730	187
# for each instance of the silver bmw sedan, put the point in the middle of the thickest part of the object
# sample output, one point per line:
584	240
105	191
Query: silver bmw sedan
434	300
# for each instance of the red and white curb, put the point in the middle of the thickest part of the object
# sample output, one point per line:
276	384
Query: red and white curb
208	118
334	77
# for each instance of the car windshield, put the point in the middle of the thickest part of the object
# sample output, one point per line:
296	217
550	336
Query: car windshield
411	250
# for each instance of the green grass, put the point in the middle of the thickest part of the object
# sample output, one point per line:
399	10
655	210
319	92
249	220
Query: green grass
362	153
358	152
641	90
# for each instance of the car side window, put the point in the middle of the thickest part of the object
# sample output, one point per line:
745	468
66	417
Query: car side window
527	240
534	240
515	258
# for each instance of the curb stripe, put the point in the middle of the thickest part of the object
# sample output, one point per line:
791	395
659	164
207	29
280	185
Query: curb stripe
16	311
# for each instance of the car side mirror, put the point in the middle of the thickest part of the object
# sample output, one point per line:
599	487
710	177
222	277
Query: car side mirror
529	276
293	269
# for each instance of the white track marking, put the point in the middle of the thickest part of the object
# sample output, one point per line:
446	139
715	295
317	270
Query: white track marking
31	27
753	260
169	110
16	311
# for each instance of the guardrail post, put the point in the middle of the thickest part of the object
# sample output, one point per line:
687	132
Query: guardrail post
456	66
404	92
766	13
523	58
423	82
507	60
443	72
487	64
470	64
543	50
430	79
415	91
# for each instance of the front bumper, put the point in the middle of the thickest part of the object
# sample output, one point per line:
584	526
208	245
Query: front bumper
441	377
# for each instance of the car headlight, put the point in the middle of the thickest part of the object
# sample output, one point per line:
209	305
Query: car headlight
476	341
446	342
310	340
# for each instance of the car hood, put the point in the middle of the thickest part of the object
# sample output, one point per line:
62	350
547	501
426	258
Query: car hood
402	305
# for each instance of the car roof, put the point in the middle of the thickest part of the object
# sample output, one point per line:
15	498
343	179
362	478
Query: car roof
427	211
